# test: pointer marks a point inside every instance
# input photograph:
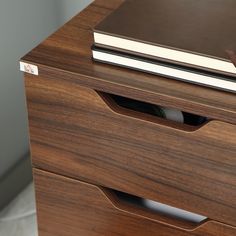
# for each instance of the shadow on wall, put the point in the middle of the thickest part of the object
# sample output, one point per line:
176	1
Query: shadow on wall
69	8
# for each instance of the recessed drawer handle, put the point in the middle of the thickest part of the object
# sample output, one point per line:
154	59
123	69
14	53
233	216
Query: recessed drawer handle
153	113
155	211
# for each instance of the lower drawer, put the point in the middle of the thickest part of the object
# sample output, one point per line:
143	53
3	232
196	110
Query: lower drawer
68	207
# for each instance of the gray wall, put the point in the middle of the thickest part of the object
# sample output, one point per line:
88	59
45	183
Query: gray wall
23	24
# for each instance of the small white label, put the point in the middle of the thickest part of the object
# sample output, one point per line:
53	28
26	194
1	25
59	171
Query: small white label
29	68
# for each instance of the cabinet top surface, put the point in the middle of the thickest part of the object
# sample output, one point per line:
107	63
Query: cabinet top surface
67	54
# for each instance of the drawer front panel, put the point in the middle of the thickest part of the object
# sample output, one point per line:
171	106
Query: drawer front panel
70	208
75	133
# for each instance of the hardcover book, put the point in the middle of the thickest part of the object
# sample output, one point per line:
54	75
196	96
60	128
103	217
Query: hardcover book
169	70
194	33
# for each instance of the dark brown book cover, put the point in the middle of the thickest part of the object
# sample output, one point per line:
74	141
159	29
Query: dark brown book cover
202	27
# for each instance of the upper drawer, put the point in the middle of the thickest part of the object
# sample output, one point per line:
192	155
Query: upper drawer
75	133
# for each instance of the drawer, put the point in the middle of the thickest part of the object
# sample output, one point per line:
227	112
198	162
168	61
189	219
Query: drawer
70	207
78	133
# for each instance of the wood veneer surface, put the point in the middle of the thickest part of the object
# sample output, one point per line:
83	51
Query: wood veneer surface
68	53
75	133
67	207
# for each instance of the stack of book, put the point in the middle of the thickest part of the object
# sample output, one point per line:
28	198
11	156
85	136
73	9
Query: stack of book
188	40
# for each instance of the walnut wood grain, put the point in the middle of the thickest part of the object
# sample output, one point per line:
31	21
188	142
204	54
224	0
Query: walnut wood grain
73	132
67	54
67	207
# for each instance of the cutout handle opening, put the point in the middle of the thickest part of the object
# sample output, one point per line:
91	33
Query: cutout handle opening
156	211
154	113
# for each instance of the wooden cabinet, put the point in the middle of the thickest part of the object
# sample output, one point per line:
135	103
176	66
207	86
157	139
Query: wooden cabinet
86	147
